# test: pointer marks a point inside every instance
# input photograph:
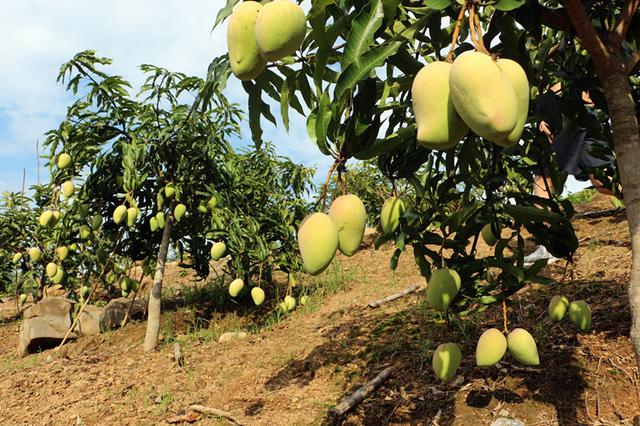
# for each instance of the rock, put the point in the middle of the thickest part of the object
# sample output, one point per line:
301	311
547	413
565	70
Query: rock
116	310
231	336
89	321
38	333
50	307
506	422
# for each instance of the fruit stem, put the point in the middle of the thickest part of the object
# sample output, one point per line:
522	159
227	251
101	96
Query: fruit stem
456	33
505	318
473	30
478	26
323	197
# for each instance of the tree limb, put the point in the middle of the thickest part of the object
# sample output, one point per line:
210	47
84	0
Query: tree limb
552	18
617	36
589	36
632	62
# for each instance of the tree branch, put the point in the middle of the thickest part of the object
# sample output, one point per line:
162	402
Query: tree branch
617	36
632	62
552	18
589	36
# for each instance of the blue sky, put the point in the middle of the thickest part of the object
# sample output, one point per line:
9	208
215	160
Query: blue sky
39	35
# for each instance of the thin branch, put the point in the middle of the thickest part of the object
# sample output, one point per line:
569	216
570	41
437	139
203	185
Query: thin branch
552	18
456	32
632	62
617	36
589	36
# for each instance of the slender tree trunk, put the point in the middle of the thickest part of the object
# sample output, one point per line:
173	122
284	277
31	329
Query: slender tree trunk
626	138
155	295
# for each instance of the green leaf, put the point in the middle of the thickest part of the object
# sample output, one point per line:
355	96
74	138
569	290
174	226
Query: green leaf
225	12
437	4
318	7
284	105
255	104
322	121
362	31
507	5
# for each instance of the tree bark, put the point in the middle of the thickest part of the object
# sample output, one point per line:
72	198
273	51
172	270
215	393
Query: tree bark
155	295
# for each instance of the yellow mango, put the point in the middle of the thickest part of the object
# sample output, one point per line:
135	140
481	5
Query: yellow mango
439	125
58	277
446	360
35	254
160	219
349	215
558	308
491	347
483	95
119	214
64	160
580	315
392	210
522	347
244	57
218	250
280	29
520	83
132	216
46	218
235	287
51	269
16	257
257	294
179	211
318	242
62	252
443	287
153	224
290	302
68	189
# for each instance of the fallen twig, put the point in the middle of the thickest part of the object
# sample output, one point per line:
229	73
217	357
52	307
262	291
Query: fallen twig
355	398
177	354
378	303
214	412
598	213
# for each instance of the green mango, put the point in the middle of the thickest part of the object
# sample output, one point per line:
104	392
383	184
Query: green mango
236	287
120	214
58	277
318	242
132	216
558	308
488	236
443	287
491	347
257	294
349	215
244	58
85	232
520	83
522	347
218	250
580	315
153	224
446	360
64	160
16	257
46	218
35	254
179	211
68	189
51	269
280	29
96	221
160	219
62	252
392	210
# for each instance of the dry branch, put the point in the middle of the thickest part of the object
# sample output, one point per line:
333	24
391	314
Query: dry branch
378	303
214	412
177	354
360	394
598	213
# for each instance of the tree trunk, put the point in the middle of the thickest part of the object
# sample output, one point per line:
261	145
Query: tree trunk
155	295
626	139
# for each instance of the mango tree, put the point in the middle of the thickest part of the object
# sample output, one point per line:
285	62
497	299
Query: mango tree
355	76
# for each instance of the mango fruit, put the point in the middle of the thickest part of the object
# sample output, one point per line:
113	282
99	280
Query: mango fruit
349	215
85	292
153	224
558	308
279	30
83	211
132	216
64	160
22	299
520	84
160	219
218	250
119	214
257	294
244	57
446	360
439	125
392	210
46	218
68	189
124	293
62	252
58	277
179	211
318	242
304	300
491	347
290	302
85	232
35	254
488	236
170	190
56	217
580	315
235	287
443	287
73	247
522	347
96	221
16	257
125	284
51	269
483	95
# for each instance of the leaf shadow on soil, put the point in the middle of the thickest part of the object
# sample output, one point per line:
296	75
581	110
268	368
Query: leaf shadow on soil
359	346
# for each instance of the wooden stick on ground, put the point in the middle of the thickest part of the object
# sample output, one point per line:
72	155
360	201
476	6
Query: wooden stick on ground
177	354
360	394
214	412
378	303
598	213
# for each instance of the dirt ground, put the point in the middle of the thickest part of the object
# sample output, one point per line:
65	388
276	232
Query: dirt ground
290	371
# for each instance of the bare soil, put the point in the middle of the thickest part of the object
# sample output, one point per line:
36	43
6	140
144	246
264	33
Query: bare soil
291	371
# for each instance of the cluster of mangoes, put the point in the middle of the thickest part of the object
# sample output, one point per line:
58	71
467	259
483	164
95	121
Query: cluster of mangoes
259	33
579	312
477	92
321	235
128	285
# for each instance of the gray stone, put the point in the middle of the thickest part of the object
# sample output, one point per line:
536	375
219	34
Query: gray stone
231	336
116	310
89	321
506	422
50	307
38	333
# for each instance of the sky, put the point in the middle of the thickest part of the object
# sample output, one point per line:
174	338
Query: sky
39	35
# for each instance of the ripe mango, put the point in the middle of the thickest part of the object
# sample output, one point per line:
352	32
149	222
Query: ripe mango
318	242
62	252
179	211
280	29
16	257
46	218
483	95
257	294
218	250
520	83
235	287
64	160
580	315
119	214
392	210
558	308
85	232
443	287
491	347
35	254
488	236
522	347
446	360
349	215
68	189
132	216
51	269
439	125
153	224
244	57
58	277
